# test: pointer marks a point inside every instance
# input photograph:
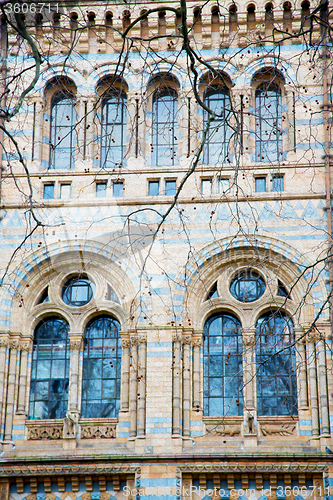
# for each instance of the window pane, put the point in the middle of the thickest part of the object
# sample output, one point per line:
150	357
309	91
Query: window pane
260	184
78	292
62	132
223	185
170	188
50	369
101	189
223	377
48	191
277	183
164	128
268	123
153	188
113	131
217	142
206	186
118	189
276	365
101	369
65	191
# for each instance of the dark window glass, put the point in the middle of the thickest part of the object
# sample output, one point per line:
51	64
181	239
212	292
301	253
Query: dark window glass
260	184
118	189
217	139
170	188
49	370
77	292
113	137
223	373
282	291
277	183
153	188
165	132
276	365
101	369
268	123
62	132
247	286
48	191
213	293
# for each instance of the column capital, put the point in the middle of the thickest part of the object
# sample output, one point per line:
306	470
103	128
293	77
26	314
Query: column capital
75	341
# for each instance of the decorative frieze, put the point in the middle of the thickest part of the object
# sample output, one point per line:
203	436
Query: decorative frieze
223	426
44	430
98	428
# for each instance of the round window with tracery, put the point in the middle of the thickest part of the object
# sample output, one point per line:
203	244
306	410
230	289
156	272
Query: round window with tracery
247	286
78	292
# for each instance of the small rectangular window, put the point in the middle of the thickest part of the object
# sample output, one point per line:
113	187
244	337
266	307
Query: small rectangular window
48	193
153	188
277	183
170	188
118	189
65	191
260	184
206	186
223	185
100	189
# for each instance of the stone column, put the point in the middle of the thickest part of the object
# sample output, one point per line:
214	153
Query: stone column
197	342
142	386
90	129
10	406
3	375
187	340
176	369
313	387
81	104
75	346
248	338
25	347
133	387
322	385
39	132
301	370
133	124
125	371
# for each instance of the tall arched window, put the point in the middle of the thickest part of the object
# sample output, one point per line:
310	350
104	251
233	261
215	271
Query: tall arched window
165	106
217	139
113	137
50	370
268	122
101	369
276	365
62	131
223	374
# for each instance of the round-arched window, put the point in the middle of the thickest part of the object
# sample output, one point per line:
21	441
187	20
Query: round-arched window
78	291
223	373
50	370
247	286
101	369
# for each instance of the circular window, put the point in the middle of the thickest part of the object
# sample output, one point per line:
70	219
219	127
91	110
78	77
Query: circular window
247	286
78	292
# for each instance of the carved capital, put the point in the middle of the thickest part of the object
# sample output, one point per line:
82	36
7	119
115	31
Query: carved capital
26	346
14	344
176	337
126	343
4	342
187	340
197	342
313	336
142	339
249	340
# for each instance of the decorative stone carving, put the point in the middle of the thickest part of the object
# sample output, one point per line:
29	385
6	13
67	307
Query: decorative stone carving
187	340
196	342
126	343
223	430
176	337
250	426
282	429
25	346
70	424
98	431
14	344
45	432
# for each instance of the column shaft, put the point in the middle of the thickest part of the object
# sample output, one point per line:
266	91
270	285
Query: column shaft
313	389
125	375
133	389
142	388
186	387
322	383
3	365
21	407
176	386
11	390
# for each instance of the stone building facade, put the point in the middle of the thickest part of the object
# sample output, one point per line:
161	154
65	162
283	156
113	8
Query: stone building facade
158	342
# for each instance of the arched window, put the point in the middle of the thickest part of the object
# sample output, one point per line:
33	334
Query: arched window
223	374
50	370
165	106
217	139
113	137
268	122
251	17
101	369
276	365
62	131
